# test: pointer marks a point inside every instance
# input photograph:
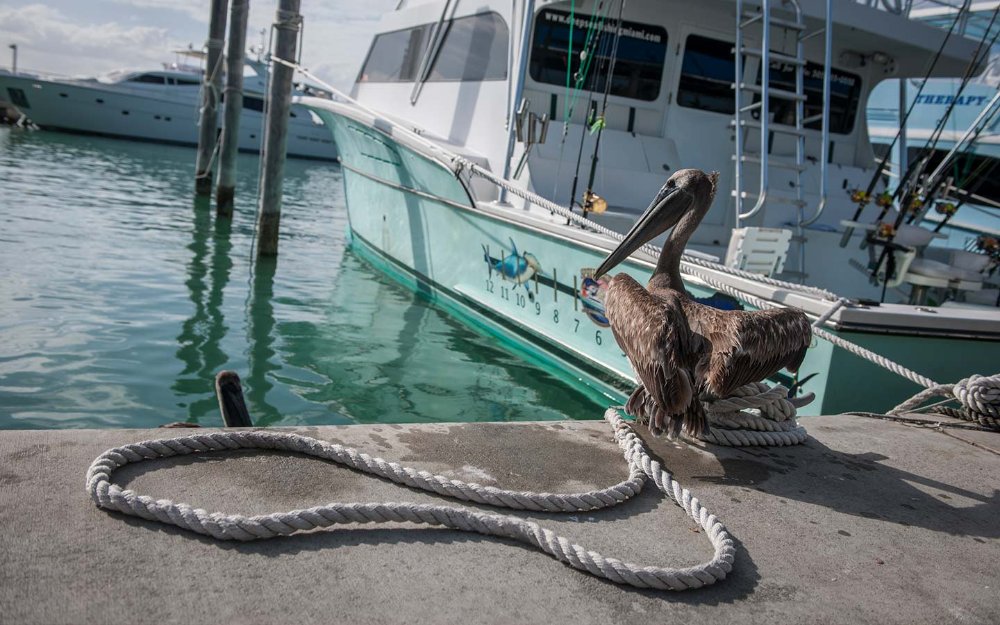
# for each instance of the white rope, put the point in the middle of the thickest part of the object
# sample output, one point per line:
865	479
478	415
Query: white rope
236	527
754	415
978	396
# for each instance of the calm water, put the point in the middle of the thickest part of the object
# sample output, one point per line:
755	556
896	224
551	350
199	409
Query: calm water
120	299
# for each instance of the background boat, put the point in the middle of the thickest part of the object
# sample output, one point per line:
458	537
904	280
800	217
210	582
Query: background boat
159	105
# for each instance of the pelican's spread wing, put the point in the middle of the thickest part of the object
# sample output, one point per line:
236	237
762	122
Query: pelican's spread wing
653	333
749	346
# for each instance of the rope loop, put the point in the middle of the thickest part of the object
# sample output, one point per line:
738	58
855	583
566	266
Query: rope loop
977	395
753	415
236	527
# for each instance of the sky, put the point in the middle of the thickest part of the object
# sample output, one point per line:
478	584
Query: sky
90	37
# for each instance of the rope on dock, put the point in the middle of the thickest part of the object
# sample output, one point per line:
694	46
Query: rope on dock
755	415
978	396
236	527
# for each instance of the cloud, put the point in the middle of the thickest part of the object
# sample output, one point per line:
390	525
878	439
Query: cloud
336	37
48	38
336	34
194	9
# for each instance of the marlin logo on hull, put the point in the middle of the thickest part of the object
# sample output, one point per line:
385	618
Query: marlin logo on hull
518	267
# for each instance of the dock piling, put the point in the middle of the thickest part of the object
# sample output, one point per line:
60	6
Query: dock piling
287	24
211	87
235	51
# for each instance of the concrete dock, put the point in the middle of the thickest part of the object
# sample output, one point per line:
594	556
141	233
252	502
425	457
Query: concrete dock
870	521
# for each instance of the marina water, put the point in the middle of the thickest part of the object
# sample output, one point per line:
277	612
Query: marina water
121	298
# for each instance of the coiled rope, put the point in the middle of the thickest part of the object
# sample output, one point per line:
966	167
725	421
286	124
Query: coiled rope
977	395
754	415
236	527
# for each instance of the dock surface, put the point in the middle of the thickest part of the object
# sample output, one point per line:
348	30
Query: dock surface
869	521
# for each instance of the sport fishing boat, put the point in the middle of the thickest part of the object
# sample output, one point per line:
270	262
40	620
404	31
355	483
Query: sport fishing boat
493	153
938	113
159	105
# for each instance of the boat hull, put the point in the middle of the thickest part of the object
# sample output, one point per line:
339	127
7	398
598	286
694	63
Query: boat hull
90	107
532	287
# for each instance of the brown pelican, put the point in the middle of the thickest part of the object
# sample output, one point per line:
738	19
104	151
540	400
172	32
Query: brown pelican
681	349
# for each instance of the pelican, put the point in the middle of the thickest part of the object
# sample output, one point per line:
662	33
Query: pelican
680	349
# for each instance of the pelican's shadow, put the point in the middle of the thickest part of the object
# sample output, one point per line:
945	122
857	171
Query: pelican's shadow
860	484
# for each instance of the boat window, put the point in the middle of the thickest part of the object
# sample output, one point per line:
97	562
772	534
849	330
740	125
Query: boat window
707	74
187	81
638	69
845	94
473	48
708	71
147	78
395	56
252	103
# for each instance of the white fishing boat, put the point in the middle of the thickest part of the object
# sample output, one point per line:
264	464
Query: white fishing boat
490	161
159	105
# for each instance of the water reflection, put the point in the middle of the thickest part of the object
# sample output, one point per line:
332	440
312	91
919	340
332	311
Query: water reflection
122	300
260	336
199	342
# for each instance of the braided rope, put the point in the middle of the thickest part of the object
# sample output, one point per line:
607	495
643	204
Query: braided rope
753	415
978	395
236	527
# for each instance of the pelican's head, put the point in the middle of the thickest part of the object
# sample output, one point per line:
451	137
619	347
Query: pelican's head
685	190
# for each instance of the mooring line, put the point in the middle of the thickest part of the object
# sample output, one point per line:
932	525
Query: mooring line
236	527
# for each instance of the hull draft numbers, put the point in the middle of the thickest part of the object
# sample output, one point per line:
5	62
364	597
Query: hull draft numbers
516	279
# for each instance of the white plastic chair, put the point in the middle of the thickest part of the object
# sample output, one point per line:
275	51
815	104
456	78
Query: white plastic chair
758	250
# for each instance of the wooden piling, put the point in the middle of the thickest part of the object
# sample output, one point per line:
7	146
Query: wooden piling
235	51
287	24
211	89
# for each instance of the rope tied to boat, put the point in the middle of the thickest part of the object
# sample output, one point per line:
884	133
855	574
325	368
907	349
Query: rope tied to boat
977	395
222	526
754	415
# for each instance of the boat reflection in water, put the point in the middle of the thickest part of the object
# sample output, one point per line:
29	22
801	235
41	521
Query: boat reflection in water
123	300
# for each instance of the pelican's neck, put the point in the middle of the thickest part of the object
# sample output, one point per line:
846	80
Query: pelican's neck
668	267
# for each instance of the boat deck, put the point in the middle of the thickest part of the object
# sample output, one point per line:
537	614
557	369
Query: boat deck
870	521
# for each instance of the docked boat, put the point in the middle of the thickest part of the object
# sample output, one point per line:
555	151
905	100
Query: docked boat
938	113
493	154
159	105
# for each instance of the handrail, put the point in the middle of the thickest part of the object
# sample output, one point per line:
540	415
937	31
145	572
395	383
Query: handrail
738	104
765	112
433	46
824	156
529	14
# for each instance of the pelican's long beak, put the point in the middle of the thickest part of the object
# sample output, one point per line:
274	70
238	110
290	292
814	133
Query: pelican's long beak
664	212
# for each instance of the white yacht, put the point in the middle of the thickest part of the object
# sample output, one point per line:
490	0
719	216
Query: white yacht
159	105
473	128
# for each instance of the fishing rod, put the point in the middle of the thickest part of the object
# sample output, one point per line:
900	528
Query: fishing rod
600	45
862	198
912	182
601	122
983	173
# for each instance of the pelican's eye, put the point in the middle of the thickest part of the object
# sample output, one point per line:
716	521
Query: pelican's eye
671	183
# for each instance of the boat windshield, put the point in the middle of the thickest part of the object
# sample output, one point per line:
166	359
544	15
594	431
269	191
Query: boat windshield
638	68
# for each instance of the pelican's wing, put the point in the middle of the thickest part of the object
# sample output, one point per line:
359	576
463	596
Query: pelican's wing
749	346
653	333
